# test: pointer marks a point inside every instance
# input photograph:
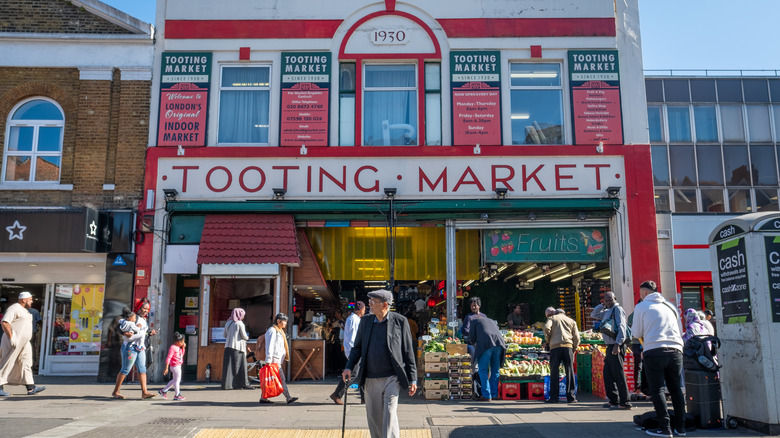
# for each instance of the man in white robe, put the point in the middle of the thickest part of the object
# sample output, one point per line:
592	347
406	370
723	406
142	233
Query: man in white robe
16	356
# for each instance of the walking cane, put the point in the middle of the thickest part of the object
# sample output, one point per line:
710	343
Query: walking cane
344	415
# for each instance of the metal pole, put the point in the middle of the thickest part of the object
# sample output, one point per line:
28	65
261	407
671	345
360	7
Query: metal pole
392	243
452	275
290	298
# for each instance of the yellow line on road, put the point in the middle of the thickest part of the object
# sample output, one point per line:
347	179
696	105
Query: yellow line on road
301	433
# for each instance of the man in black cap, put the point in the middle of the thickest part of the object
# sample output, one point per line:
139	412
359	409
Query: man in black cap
383	346
350	331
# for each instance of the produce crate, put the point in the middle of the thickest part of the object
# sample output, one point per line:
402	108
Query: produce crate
436	356
535	391
456	349
435	367
437	394
509	390
429	384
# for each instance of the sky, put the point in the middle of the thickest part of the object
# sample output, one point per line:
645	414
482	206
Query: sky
676	34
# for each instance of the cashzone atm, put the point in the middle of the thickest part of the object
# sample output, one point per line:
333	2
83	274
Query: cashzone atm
745	257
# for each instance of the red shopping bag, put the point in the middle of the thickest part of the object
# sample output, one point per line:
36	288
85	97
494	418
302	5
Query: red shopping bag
270	380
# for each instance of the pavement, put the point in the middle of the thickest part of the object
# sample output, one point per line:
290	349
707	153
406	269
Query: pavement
80	407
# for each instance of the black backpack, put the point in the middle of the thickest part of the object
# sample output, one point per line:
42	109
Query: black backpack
700	352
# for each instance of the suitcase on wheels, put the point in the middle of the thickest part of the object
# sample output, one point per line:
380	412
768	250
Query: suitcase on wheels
702	398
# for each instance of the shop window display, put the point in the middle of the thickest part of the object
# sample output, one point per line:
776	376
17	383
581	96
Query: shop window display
76	323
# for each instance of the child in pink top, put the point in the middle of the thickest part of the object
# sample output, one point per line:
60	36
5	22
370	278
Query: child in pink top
175	359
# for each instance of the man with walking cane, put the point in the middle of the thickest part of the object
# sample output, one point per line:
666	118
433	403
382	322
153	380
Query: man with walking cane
384	347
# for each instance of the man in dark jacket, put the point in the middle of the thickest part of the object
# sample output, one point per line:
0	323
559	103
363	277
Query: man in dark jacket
383	346
490	353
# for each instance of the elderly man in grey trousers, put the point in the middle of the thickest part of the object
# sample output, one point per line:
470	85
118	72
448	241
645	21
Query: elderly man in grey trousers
383	346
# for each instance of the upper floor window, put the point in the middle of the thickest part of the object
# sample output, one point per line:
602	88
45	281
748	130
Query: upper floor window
390	104
537	103
33	145
244	99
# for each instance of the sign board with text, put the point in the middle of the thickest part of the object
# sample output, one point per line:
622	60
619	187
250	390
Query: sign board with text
476	97
734	283
184	97
581	244
366	177
772	245
594	77
305	99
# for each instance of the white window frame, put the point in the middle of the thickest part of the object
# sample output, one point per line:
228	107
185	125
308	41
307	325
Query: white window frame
415	89
564	121
268	88
34	153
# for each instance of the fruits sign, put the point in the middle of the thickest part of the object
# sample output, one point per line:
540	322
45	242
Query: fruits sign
545	245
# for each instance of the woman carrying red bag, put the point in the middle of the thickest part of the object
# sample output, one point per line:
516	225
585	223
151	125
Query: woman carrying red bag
276	352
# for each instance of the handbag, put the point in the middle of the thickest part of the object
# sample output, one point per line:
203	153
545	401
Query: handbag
610	328
270	380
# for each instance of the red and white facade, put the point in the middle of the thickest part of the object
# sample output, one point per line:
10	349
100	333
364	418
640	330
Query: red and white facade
435	154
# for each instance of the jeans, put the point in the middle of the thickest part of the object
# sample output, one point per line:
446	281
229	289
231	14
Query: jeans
490	359
558	356
614	377
663	367
132	356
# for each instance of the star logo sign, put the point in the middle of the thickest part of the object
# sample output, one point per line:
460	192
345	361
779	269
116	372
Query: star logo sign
93	229
15	231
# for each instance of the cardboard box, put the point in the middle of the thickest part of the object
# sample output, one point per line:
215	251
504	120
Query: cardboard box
456	349
438	356
436	375
437	394
435	367
429	384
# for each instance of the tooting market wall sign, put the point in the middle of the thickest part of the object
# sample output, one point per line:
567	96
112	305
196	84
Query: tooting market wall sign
586	244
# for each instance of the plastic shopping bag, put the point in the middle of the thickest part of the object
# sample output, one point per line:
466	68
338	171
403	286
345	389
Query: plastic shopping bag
270	381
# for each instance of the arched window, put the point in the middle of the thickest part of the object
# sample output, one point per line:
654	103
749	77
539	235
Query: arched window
33	142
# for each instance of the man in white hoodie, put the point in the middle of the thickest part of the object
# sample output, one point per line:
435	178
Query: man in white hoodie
657	325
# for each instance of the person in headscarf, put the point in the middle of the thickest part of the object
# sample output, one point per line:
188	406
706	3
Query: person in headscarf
693	325
234	370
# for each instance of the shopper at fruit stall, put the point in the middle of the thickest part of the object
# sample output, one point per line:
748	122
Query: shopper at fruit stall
561	333
614	378
656	322
475	303
515	320
490	351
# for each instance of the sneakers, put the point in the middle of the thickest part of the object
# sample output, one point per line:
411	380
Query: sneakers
680	432
660	432
265	401
36	390
292	400
179	397
4	394
162	394
624	407
608	406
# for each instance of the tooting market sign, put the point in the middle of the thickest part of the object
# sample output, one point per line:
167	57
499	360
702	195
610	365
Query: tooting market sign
420	177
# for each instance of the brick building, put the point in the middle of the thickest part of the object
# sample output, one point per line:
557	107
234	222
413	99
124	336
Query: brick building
75	81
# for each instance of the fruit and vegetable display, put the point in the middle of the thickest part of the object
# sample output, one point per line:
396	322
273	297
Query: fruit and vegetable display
521	337
433	347
590	335
519	368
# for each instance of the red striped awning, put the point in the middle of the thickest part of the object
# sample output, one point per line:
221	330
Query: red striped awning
249	239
